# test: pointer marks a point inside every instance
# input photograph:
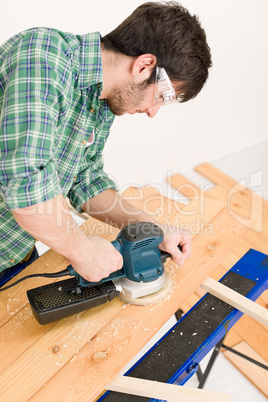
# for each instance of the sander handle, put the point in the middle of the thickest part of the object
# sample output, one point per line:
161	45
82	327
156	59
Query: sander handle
165	255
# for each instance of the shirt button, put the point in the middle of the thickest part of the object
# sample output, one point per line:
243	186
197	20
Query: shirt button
75	177
84	142
92	110
12	260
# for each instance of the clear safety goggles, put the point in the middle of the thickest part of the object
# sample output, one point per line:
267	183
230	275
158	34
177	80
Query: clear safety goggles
164	91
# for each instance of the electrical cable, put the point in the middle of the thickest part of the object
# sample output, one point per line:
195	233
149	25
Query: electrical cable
59	274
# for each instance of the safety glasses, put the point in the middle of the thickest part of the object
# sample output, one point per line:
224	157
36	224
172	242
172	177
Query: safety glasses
164	92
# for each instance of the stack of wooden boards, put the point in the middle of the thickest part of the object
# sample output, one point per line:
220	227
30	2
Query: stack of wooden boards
247	336
59	361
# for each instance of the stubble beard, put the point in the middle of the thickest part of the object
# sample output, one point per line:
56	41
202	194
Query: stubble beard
126	97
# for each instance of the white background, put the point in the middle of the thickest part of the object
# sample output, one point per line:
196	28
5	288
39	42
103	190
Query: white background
229	115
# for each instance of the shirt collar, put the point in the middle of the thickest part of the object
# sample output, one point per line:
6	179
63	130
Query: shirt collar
90	61
91	68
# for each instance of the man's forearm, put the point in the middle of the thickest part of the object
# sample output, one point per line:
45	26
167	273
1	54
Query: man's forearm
52	223
111	208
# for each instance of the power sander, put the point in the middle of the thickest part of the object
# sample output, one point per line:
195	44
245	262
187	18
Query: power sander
142	274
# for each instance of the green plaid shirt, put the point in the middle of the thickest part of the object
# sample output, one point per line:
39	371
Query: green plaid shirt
50	83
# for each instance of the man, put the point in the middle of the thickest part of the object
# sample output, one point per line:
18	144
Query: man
59	94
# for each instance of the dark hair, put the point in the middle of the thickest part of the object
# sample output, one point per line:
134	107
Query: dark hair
168	31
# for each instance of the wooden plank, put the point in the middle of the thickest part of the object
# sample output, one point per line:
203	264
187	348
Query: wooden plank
13	338
50	352
236	300
185	187
255	374
124	335
215	175
170	392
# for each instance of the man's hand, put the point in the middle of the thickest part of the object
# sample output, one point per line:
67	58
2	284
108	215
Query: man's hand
173	237
98	260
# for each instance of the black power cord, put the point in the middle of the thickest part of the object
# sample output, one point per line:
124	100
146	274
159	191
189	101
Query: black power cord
65	272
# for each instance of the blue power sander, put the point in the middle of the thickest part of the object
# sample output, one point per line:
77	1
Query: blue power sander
142	274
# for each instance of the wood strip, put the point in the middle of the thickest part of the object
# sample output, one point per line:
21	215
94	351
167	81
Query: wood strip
236	300
170	392
124	335
13	338
185	187
257	375
50	352
215	175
